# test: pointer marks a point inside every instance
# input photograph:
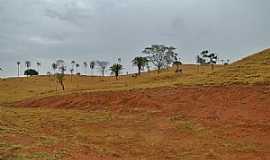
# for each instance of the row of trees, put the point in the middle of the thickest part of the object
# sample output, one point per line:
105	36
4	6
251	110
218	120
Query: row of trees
159	56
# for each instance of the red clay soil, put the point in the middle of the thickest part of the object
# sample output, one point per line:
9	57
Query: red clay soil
227	103
238	112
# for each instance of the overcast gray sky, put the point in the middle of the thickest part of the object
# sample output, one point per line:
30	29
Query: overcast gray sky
85	30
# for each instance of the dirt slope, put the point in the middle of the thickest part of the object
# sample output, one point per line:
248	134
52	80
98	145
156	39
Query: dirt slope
224	103
237	118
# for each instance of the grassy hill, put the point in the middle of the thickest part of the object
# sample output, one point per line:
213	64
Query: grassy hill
223	122
251	70
254	69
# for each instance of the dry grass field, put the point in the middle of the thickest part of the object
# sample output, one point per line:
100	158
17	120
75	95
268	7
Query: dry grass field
201	114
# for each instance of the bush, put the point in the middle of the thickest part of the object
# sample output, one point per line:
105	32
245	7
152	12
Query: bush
30	72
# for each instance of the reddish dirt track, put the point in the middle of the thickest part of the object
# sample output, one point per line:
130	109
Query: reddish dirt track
240	112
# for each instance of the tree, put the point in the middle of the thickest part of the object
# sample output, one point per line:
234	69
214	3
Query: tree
72	66
85	64
92	65
71	71
77	67
115	69
54	67
27	64
199	61
18	68
38	66
60	64
60	80
30	72
102	65
160	56
178	63
207	58
140	62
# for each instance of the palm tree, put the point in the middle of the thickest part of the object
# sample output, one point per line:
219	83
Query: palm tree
77	67
71	73
92	65
18	68
73	65
54	67
85	64
38	66
115	69
140	62
27	64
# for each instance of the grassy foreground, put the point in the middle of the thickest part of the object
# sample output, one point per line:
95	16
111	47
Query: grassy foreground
71	134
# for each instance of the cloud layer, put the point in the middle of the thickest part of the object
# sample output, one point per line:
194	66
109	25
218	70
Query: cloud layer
46	30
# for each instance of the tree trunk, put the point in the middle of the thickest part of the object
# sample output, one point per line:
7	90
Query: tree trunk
62	84
139	70
159	69
116	75
18	71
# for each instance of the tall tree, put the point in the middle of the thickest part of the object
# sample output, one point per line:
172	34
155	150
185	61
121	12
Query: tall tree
92	65
102	65
77	68
27	64
38	66
115	69
54	67
18	68
140	62
60	80
73	66
160	56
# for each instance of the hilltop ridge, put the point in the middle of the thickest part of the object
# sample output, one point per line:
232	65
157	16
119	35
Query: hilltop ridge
251	70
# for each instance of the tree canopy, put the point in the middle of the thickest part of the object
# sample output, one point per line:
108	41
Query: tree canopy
160	56
115	69
30	72
140	62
